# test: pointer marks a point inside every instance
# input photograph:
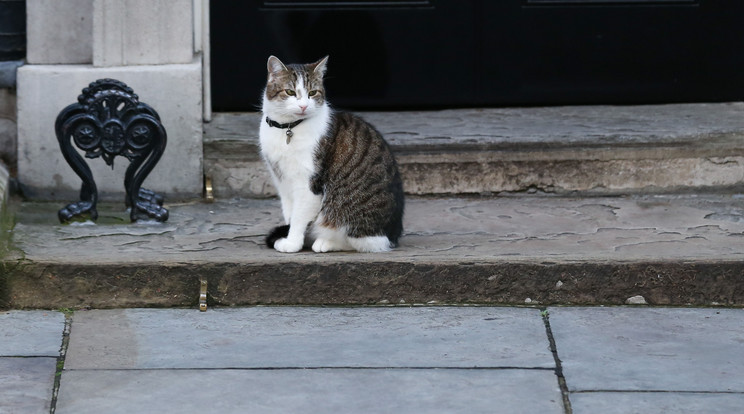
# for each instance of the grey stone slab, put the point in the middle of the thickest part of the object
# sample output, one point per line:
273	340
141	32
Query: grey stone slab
652	403
280	337
310	391
26	384
440	230
650	349
31	333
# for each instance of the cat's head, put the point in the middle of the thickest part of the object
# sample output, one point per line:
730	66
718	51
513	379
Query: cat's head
294	91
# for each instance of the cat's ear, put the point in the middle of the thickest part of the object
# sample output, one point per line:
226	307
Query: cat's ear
275	66
319	67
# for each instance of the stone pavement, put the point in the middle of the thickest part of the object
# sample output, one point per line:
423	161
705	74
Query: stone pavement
671	250
420	359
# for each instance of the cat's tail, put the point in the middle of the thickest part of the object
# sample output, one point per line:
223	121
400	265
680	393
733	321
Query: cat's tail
277	233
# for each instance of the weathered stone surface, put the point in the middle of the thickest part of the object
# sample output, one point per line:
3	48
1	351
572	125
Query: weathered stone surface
110	32
652	402
672	250
31	333
30	343
142	32
290	359
650	349
310	391
26	384
458	230
384	359
538	128
290	337
593	150
59	31
127	285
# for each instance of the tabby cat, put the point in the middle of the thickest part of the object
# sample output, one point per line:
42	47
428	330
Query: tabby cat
339	184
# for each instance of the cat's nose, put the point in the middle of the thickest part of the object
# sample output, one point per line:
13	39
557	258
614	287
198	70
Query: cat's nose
302	108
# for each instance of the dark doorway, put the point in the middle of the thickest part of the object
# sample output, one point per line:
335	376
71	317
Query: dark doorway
12	29
394	54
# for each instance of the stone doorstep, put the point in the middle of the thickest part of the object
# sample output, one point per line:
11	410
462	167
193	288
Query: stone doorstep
598	150
535	251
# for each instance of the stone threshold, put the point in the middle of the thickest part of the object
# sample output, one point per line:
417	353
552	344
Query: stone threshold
576	150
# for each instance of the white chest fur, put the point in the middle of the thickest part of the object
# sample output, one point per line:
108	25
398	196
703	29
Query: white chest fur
292	163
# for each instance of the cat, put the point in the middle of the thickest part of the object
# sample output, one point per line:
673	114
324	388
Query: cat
337	179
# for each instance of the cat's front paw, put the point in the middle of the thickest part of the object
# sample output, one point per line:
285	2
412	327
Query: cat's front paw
285	245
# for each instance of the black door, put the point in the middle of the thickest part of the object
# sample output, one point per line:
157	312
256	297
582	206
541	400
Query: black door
12	30
392	54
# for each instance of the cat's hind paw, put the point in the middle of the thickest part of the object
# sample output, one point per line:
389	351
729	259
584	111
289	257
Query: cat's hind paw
372	244
325	245
285	245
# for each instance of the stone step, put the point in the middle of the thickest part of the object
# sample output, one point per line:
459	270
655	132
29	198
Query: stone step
534	250
576	150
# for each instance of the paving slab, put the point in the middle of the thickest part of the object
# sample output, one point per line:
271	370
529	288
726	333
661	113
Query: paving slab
31	333
310	359
288	337
650	403
26	384
650	349
309	391
672	250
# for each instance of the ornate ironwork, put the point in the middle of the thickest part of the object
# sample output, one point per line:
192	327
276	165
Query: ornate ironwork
107	121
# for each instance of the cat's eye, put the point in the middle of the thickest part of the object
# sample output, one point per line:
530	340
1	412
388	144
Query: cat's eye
312	93
290	92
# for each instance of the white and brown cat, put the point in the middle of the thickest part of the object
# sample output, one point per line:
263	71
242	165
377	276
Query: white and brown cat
338	181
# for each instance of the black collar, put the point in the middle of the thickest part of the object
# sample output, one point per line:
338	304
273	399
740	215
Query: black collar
288	126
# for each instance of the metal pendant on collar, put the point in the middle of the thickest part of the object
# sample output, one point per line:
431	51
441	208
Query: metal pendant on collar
289	135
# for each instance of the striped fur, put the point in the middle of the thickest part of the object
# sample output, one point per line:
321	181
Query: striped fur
359	180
